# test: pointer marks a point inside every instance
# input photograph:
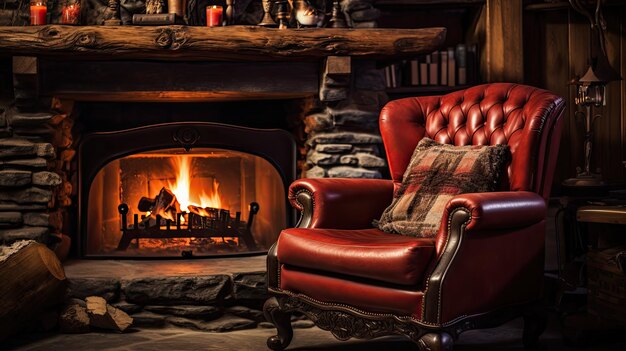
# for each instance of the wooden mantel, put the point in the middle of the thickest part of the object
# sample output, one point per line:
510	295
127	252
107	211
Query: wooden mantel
238	43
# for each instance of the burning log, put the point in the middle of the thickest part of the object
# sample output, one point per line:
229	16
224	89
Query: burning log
164	205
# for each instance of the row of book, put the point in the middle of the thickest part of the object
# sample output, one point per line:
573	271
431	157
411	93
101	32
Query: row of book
454	66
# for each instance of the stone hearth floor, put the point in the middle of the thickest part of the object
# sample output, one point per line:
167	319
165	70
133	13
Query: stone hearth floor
504	338
134	269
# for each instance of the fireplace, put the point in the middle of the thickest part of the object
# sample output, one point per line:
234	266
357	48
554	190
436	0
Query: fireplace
183	189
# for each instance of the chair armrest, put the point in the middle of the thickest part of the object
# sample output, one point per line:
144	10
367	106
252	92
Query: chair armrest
340	203
490	250
500	210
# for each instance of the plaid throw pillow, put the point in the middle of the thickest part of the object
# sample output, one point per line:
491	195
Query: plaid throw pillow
436	173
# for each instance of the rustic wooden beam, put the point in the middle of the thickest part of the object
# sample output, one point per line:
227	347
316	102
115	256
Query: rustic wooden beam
504	47
245	43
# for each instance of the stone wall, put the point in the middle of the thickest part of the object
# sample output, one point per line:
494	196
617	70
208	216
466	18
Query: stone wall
343	139
35	152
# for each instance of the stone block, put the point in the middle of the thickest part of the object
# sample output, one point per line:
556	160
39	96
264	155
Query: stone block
12	147
367	24
328	94
10	219
370	149
37	219
321	159
316	172
127	307
45	150
225	324
39	234
189	311
246	312
355	5
344	138
334	148
15	178
370	161
36	162
30	119
46	178
349	160
177	290
12	206
363	15
81	288
148	320
250	286
318	122
353	172
27	196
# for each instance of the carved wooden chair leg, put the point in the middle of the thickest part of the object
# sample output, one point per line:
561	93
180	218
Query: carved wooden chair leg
282	322
534	325
436	342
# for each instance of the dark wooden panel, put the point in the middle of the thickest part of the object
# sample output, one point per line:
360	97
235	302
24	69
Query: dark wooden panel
177	81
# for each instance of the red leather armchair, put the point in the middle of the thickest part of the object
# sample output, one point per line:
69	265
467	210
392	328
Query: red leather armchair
484	267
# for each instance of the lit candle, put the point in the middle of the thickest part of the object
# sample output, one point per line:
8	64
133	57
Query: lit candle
38	11
213	16
70	14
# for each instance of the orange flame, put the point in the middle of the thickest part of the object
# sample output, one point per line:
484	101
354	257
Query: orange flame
182	187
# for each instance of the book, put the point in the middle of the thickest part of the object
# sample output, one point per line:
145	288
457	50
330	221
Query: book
424	73
158	19
388	76
433	69
461	63
444	67
414	70
451	68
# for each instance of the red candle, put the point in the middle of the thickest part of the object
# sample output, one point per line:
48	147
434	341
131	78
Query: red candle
213	16
38	13
70	14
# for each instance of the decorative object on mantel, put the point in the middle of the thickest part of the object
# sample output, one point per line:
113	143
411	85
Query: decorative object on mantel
307	15
230	12
155	6
338	19
176	7
70	13
214	16
112	14
282	13
267	20
38	12
591	91
161	19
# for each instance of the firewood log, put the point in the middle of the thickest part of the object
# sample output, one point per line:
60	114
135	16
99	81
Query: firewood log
32	281
165	205
105	316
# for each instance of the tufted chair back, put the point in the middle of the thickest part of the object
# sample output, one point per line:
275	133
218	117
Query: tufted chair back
528	119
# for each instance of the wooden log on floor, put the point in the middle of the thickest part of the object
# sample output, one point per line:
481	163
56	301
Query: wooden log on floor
105	316
32	280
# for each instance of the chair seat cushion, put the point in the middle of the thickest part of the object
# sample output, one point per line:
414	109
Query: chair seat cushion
366	253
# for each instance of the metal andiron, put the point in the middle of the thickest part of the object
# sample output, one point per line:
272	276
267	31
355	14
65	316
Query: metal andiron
205	223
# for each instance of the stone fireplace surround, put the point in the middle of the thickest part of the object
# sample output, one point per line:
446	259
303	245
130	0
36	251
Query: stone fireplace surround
331	99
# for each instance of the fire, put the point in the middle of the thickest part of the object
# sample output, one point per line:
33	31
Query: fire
182	187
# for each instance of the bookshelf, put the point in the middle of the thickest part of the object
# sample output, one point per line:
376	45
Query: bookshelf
455	66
